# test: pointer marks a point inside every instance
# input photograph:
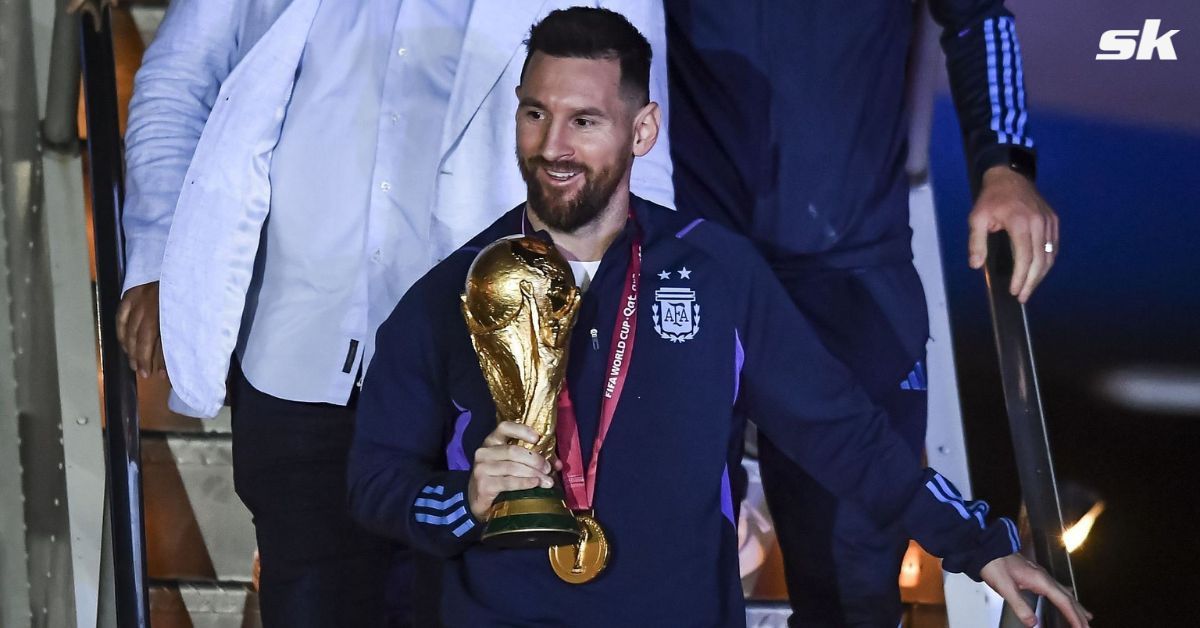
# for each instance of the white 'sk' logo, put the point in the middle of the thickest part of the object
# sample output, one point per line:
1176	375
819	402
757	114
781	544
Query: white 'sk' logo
1120	45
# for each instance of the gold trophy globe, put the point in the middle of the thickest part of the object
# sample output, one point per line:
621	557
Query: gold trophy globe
520	303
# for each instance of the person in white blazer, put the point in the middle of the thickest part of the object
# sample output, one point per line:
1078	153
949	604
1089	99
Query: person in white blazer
292	167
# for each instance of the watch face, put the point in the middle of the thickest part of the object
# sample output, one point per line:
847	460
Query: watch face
1021	170
1023	163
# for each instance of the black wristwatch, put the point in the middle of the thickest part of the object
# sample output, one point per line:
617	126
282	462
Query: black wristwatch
1020	160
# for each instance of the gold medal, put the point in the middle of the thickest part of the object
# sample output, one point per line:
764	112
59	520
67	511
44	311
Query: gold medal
584	560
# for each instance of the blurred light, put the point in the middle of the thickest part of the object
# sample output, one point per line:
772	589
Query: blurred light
1153	388
1075	534
910	567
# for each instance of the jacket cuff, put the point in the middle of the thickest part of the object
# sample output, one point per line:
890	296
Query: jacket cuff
143	261
959	531
1017	158
176	404
998	540
442	515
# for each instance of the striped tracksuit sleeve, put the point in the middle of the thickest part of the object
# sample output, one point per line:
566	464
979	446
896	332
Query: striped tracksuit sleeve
810	406
987	79
400	481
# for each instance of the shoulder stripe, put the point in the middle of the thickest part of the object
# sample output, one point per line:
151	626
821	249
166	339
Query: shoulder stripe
691	225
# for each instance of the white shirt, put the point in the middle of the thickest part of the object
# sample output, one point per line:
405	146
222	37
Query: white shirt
584	271
207	114
351	180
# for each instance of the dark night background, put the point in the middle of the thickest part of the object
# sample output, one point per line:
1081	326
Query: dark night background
1119	155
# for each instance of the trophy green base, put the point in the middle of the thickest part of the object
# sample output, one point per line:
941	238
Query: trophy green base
536	517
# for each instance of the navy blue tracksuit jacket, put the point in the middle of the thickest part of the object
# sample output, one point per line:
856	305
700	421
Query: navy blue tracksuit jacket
788	118
663	486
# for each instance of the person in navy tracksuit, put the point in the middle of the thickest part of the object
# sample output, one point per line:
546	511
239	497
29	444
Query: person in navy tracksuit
788	126
428	456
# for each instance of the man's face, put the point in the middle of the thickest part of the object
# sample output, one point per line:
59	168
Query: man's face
575	136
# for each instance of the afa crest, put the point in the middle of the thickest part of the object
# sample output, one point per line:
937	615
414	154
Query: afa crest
676	314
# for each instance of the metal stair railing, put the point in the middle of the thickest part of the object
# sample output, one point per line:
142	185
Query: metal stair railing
123	446
1027	423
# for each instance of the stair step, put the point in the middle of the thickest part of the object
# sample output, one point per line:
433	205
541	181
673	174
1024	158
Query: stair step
204	605
196	527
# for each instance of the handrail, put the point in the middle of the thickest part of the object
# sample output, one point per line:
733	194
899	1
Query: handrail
119	388
60	124
1027	424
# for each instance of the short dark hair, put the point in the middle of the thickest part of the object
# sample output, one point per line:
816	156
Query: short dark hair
592	33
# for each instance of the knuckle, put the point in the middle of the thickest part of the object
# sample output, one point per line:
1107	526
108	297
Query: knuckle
511	469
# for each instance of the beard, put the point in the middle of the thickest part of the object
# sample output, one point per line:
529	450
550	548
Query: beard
569	214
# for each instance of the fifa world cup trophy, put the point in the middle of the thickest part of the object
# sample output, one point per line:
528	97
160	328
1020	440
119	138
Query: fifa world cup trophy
520	303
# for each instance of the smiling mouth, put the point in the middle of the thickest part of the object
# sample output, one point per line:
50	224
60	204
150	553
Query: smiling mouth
561	175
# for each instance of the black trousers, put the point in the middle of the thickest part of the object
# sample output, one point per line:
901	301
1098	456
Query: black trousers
841	566
318	568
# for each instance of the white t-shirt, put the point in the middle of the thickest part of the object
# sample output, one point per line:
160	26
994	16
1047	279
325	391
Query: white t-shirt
584	271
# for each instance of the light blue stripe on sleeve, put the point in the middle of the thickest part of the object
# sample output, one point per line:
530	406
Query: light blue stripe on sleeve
444	520
423	502
433	490
1023	116
1006	55
980	510
1012	534
937	493
464	528
993	83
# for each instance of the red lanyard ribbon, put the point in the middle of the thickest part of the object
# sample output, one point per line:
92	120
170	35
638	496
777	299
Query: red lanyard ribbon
580	488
